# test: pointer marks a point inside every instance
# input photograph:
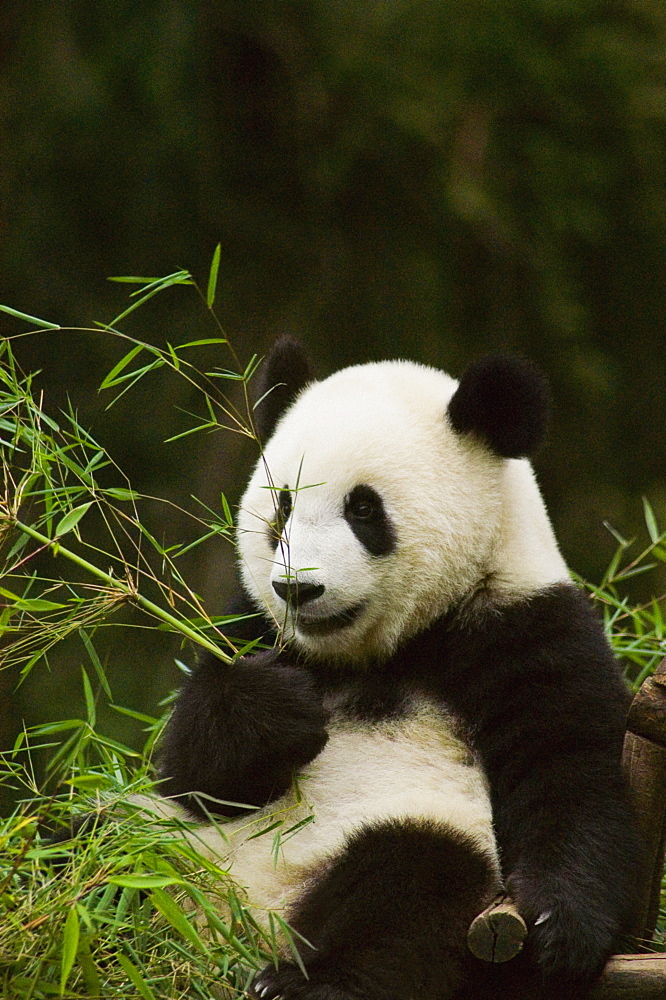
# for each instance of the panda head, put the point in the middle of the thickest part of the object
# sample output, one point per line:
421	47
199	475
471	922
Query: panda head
388	494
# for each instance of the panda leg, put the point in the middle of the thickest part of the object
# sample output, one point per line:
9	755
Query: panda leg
388	919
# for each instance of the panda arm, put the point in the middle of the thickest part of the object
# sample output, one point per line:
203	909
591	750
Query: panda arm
548	709
564	828
238	732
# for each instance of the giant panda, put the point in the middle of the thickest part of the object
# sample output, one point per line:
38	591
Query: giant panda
438	714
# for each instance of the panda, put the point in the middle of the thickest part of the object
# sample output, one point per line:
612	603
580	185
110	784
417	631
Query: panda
437	715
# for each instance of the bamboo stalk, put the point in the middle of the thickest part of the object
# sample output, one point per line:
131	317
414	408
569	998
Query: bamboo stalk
498	933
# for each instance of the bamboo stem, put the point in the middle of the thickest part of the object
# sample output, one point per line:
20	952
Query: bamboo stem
497	934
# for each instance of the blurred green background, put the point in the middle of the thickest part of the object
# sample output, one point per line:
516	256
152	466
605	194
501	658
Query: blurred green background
401	178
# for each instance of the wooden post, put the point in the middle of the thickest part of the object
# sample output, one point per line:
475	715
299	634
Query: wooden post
644	762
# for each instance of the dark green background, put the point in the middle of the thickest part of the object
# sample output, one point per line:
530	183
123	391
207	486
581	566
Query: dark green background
430	180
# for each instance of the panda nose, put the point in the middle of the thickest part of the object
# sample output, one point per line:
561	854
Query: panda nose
296	594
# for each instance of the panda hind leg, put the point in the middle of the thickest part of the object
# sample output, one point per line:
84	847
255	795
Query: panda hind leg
388	919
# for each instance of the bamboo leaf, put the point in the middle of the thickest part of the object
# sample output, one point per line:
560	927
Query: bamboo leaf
122	364
212	277
132	279
89	969
90	699
70	944
154	288
95	660
43	324
89	782
228	516
252	366
651	522
192	430
134	715
118	493
201	343
623	542
135	976
636	571
140	881
70	520
173	913
30	603
175	278
174	357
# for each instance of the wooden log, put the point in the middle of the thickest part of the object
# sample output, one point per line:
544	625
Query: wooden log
632	977
498	933
645	766
644	763
647	714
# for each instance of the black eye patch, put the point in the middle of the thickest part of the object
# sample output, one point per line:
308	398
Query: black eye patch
365	515
283	509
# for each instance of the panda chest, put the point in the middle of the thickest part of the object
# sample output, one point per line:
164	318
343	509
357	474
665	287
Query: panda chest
407	767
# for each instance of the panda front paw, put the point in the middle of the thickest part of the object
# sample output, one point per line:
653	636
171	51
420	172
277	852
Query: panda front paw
287	982
283	706
568	939
571	945
239	732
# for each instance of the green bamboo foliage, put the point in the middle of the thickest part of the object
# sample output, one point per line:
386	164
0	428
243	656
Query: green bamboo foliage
109	914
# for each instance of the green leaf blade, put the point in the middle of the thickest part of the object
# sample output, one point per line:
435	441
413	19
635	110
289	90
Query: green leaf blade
111	378
136	978
178	920
43	324
212	277
651	522
90	699
140	881
70	944
70	520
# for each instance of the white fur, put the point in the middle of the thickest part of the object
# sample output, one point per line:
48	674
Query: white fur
463	516
407	768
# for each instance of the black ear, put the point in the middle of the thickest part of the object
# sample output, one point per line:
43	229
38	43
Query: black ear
505	401
284	372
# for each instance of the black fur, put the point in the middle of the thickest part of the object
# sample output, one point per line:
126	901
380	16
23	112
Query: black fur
297	594
505	401
285	371
239	732
283	509
386	921
365	514
537	688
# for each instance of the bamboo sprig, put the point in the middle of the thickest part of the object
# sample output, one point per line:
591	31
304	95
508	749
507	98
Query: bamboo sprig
131	593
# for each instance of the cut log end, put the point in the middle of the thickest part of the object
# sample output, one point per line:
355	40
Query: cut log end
497	934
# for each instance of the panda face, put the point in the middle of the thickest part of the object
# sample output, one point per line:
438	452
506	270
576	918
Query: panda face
368	515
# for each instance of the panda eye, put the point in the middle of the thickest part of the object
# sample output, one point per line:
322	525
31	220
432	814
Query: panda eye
362	511
362	504
367	518
284	506
283	509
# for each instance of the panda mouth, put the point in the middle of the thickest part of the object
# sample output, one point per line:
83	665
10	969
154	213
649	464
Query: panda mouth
324	626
